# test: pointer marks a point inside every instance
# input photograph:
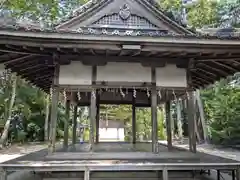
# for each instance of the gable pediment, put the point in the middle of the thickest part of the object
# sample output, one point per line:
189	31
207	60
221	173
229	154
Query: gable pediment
121	14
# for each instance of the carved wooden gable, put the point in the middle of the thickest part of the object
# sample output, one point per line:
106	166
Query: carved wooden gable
120	15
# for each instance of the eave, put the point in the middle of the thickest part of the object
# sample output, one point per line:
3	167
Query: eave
30	53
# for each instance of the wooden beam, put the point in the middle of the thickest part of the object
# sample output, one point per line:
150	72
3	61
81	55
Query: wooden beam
119	59
6	50
22	58
228	58
25	49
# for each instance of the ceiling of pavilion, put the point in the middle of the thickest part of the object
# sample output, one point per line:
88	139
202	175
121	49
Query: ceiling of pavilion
127	19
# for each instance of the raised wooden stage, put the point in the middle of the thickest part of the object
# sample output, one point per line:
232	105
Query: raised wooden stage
115	157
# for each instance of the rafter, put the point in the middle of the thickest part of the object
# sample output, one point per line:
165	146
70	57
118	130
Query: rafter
201	79
226	66
209	78
222	73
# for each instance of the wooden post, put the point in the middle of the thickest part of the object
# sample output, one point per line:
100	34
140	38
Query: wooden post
154	120
134	121
191	122
238	173
3	174
168	124
92	118
165	174
97	117
74	129
202	116
66	124
46	124
172	120
54	108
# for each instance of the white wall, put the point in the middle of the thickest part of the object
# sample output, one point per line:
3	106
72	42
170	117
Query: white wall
171	76
111	134
123	72
75	74
78	74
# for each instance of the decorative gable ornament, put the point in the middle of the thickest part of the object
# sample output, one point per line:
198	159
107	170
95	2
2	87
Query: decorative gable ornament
125	12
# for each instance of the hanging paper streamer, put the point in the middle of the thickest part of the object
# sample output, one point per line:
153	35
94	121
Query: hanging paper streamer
93	94
174	94
148	93
51	93
121	92
65	95
79	95
159	94
188	97
134	93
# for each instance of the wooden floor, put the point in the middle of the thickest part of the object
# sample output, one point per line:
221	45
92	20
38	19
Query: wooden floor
117	156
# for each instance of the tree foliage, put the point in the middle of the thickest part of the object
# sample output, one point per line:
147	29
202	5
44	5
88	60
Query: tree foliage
222	107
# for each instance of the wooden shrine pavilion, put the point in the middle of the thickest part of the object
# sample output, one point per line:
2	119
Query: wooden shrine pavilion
119	52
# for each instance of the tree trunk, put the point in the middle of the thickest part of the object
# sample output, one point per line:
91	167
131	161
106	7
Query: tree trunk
179	120
46	132
8	120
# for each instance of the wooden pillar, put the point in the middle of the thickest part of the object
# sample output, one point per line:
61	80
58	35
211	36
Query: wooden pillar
165	174
154	120
3	174
202	116
66	124
46	124
154	111
238	173
74	129
92	118
168	124
134	133
54	108
97	117
191	122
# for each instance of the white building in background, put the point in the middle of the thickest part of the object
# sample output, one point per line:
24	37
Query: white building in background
111	130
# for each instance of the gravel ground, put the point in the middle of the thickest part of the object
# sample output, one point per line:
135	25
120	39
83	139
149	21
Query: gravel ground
210	149
16	151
